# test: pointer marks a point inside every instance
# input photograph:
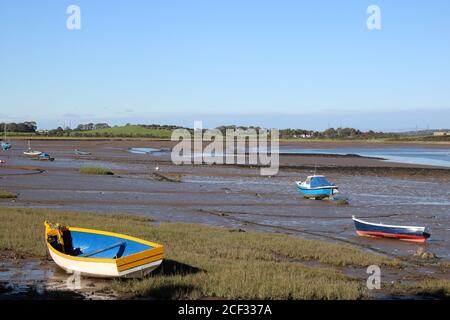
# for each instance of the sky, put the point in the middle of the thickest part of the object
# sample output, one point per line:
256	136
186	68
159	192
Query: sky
276	64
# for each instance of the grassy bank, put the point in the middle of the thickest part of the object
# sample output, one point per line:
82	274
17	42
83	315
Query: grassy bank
96	170
204	262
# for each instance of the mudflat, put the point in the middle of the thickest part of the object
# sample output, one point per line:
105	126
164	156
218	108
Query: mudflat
235	196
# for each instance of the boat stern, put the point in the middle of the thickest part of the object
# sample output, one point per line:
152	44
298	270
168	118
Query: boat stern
140	264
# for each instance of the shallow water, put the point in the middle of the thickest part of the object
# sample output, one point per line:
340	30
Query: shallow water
425	156
408	155
37	279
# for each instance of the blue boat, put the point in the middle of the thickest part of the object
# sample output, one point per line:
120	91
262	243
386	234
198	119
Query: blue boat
405	233
316	187
45	156
6	146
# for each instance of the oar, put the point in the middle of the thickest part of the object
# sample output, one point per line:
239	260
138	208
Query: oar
94	252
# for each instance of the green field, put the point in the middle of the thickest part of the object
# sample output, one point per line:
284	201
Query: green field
129	131
126	131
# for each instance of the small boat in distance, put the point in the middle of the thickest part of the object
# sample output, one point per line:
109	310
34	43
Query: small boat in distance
31	152
81	153
101	254
316	187
5	144
405	233
45	156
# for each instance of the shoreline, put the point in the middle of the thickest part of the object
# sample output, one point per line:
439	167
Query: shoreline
326	143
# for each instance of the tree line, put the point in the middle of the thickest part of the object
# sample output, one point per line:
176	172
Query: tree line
28	126
83	129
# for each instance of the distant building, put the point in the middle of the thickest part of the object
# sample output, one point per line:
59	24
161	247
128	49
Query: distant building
441	133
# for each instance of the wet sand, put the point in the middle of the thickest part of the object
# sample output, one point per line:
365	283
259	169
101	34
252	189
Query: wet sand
236	196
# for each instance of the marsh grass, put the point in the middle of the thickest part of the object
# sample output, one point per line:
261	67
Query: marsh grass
7	195
96	170
342	202
203	261
438	288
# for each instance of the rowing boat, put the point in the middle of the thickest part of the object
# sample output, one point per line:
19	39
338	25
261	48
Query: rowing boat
405	233
81	153
102	254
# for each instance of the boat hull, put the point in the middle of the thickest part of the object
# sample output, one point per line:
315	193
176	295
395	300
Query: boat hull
317	193
32	153
102	269
411	234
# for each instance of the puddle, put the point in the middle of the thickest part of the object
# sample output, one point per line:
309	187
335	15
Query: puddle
39	279
152	151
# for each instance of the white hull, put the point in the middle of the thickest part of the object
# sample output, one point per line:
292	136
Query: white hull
102	269
32	153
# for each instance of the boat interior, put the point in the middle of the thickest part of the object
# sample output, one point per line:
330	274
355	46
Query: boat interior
93	245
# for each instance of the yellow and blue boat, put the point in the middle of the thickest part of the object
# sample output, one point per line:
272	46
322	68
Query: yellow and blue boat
96	253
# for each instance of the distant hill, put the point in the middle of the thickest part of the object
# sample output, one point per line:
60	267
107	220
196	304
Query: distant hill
125	131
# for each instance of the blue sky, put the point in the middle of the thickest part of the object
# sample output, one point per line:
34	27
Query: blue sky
303	64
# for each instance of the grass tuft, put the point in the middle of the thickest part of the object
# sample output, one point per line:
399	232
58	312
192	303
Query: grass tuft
342	202
437	288
96	170
7	195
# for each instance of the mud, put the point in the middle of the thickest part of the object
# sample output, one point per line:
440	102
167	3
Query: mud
33	278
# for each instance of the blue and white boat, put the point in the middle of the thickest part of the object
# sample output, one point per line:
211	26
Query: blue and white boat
5	144
316	187
45	156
